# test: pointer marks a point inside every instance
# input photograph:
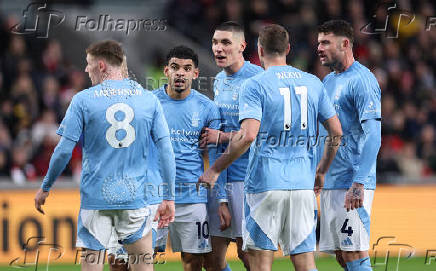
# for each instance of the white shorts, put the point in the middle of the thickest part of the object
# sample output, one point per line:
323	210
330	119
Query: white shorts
190	230
342	230
287	218
97	228
235	193
117	249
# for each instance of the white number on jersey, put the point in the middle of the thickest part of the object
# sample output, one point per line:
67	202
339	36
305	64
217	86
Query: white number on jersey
116	125
287	112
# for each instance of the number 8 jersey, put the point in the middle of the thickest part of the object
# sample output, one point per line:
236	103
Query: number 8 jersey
288	103
116	119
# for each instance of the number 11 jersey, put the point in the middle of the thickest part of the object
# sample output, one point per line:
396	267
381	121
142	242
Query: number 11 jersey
116	119
288	103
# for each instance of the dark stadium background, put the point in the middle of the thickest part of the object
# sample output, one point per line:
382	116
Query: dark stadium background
39	75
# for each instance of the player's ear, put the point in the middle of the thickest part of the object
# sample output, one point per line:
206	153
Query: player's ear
260	51
345	43
349	44
242	46
166	69
288	49
196	73
101	65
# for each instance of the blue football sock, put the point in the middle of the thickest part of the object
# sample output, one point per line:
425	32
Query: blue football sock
363	264
227	268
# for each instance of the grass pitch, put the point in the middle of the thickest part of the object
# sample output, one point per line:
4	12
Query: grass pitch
323	263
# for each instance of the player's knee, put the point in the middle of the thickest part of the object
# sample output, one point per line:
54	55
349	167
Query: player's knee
218	255
209	262
192	259
241	254
244	258
93	257
340	259
117	264
349	256
303	261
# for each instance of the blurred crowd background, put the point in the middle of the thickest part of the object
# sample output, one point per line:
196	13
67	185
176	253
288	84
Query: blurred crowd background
37	82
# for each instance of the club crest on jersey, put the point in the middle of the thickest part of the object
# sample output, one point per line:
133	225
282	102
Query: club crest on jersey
338	92
195	119
235	93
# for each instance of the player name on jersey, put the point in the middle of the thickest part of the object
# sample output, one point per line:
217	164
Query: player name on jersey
288	75
120	92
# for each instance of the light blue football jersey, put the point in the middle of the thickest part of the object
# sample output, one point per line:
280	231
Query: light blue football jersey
155	187
186	118
288	103
118	119
227	91
356	96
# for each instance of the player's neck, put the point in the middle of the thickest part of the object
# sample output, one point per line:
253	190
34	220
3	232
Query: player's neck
345	64
235	67
274	61
177	95
114	75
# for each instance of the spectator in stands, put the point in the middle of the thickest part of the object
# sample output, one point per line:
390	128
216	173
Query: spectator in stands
4	163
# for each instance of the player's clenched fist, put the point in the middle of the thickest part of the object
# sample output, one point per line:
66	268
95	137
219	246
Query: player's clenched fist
225	216
209	177
210	136
354	197
319	183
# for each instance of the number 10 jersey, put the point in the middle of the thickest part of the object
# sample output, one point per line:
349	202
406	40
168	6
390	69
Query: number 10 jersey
117	119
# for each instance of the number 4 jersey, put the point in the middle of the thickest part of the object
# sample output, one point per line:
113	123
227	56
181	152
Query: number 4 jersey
288	103
116	119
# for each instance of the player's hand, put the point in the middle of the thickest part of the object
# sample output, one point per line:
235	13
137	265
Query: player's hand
354	197
319	183
225	216
208	178
165	213
210	136
40	200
